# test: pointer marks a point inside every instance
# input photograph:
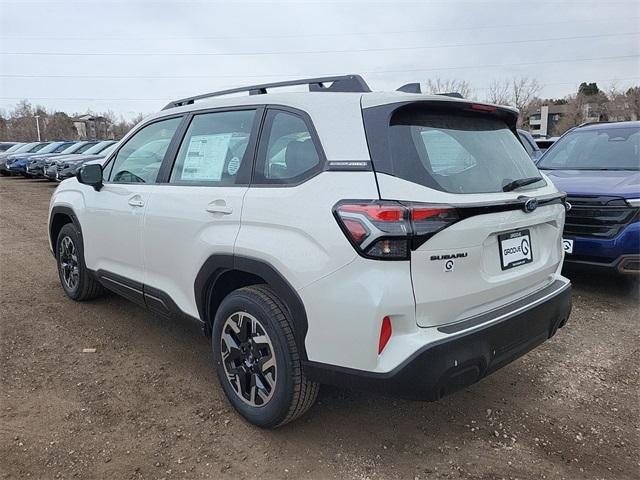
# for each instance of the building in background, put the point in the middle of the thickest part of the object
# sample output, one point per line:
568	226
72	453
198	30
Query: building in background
543	120
91	127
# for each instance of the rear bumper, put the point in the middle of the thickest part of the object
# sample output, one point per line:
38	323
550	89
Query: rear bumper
461	359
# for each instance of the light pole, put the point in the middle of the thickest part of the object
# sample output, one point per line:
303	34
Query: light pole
38	125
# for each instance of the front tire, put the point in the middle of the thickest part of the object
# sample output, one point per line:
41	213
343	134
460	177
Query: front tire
257	360
76	280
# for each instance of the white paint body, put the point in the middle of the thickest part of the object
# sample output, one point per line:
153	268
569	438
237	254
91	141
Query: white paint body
160	235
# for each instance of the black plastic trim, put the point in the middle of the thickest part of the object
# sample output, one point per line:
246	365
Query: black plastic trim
152	298
340	83
555	288
123	286
68	211
218	264
459	360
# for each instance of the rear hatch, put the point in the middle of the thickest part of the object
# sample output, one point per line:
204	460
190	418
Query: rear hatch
495	237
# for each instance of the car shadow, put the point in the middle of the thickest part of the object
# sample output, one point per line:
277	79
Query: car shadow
625	288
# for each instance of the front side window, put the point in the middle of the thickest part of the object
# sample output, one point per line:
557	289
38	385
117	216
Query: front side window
596	149
139	160
289	154
214	148
455	152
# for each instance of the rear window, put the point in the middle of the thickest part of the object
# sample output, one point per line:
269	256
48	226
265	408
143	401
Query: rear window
596	149
453	151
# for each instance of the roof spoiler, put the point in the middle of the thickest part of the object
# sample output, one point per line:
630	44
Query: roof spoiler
341	83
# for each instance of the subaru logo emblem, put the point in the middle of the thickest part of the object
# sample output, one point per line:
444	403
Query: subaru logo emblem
530	205
567	206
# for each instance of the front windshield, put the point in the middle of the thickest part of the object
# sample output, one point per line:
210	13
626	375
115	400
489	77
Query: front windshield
62	147
98	147
85	147
37	147
109	150
604	148
13	148
49	148
73	148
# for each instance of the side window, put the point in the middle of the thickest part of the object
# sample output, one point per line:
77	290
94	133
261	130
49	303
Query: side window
289	154
139	160
214	147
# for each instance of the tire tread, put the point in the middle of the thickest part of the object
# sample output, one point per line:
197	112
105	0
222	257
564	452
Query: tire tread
305	391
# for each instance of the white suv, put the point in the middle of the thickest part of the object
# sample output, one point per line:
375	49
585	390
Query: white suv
398	242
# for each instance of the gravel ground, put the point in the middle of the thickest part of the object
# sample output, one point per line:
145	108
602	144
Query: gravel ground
147	403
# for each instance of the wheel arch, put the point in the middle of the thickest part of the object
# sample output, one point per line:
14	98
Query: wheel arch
223	273
60	216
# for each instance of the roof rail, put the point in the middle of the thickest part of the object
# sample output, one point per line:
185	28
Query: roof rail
415	88
341	83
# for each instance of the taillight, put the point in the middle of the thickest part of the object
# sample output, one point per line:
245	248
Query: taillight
389	230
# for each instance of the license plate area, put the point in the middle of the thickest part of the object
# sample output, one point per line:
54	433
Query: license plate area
515	249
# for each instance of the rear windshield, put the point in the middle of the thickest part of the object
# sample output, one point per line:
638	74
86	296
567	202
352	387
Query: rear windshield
595	149
456	152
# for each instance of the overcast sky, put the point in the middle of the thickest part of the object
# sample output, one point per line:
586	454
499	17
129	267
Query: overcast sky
134	56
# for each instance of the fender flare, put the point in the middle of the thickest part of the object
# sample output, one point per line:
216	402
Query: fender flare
68	211
218	264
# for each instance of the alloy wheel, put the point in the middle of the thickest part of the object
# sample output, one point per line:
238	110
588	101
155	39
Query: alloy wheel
69	263
248	359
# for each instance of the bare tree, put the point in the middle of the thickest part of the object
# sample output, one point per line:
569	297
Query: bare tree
633	98
499	92
449	85
524	90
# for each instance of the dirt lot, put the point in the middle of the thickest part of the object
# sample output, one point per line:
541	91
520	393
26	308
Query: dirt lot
147	404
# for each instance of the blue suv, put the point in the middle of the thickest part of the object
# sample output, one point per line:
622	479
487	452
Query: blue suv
598	165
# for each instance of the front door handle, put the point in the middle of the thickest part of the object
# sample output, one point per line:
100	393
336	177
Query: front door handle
219	206
136	201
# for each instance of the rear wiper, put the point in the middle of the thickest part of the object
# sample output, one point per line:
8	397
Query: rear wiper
520	183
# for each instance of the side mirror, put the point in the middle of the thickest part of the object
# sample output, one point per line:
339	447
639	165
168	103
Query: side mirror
91	175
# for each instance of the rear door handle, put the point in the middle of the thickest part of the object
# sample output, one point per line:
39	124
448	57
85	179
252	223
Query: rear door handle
136	201
219	206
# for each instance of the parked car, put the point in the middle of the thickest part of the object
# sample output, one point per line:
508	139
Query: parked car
36	162
545	143
11	149
27	148
70	153
4	146
529	145
69	168
398	242
16	162
598	165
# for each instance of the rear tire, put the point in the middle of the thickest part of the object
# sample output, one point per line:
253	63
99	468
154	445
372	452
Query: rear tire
77	281
257	360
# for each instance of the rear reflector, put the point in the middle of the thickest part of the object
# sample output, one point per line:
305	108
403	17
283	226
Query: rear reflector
385	334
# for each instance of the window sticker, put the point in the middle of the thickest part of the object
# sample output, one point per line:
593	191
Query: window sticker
205	157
